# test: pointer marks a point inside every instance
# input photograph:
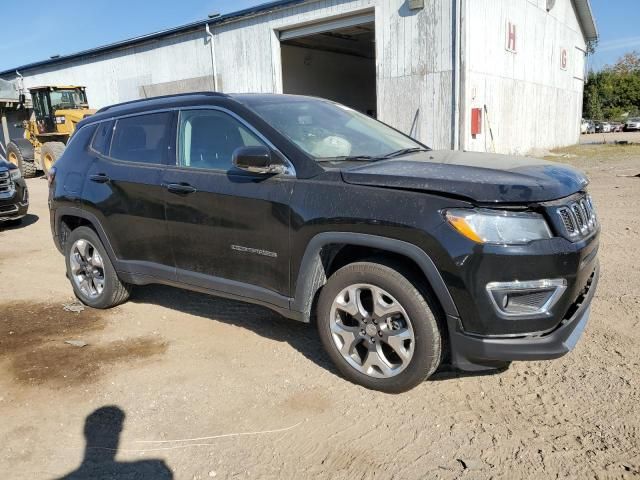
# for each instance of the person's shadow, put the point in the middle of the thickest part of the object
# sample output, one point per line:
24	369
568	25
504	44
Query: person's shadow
102	432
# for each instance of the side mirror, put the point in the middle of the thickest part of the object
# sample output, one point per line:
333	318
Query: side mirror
257	160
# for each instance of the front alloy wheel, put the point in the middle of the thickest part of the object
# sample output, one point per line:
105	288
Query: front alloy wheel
372	330
376	321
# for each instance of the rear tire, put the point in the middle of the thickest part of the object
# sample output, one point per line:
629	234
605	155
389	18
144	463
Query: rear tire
16	156
91	273
398	327
50	153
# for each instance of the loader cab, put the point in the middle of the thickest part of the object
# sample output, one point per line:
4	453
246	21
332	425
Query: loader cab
52	106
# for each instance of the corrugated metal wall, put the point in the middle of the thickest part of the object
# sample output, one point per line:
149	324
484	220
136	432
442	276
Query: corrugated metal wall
414	62
531	101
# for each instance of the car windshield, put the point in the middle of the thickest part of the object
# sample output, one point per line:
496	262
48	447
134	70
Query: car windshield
67	98
636	119
328	131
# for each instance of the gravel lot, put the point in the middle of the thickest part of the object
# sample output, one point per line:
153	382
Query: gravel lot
173	365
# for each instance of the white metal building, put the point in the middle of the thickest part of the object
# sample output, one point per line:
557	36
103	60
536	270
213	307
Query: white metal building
483	75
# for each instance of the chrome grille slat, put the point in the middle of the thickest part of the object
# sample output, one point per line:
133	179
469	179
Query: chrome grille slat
578	218
7	188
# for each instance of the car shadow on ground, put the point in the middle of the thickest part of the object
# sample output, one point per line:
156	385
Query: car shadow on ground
28	220
266	323
102	430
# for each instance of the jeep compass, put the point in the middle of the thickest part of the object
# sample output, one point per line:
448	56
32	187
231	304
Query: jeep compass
405	258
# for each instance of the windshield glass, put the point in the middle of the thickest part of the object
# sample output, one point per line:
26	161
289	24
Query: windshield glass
67	98
329	131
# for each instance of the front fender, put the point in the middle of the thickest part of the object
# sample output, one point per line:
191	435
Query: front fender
311	275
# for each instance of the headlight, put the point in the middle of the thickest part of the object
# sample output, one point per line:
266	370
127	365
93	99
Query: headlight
496	226
15	174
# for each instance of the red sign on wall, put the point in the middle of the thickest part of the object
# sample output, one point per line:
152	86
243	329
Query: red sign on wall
512	37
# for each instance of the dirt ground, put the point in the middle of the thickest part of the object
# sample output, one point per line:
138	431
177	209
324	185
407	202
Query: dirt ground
258	397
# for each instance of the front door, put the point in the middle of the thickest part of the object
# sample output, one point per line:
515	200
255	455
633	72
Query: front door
229	229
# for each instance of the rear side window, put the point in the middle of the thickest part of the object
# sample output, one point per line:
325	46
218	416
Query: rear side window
143	138
102	138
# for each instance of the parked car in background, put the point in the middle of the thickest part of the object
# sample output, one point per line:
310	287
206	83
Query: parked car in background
14	194
632	125
603	127
403	257
617	127
584	126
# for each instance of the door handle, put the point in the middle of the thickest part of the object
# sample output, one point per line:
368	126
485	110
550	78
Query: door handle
99	178
181	188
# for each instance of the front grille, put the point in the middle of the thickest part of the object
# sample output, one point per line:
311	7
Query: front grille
6	184
578	218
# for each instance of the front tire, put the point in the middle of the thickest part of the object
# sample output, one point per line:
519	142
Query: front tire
378	328
92	276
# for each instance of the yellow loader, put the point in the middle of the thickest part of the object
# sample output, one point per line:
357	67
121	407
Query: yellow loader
56	111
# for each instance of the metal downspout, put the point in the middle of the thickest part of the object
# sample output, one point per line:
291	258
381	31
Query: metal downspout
213	57
459	77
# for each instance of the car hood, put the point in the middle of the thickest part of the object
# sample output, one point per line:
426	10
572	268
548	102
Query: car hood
480	177
5	165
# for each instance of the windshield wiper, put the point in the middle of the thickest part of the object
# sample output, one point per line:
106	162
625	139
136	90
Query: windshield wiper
351	158
404	151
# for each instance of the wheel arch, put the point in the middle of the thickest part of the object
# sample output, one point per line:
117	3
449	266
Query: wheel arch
325	253
69	218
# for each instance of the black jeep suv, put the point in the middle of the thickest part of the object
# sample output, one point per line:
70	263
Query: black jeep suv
14	195
404	257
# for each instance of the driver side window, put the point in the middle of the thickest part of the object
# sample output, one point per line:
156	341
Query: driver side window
208	139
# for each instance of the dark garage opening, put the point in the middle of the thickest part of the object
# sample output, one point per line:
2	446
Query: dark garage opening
337	63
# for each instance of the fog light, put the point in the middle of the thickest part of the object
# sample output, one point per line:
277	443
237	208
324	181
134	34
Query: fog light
525	299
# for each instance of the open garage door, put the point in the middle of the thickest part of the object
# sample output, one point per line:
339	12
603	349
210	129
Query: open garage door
334	59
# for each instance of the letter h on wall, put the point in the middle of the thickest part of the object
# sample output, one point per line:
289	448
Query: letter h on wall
511	37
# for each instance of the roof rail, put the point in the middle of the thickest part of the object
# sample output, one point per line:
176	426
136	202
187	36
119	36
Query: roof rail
176	95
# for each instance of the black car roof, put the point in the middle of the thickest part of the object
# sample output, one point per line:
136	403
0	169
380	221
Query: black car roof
183	100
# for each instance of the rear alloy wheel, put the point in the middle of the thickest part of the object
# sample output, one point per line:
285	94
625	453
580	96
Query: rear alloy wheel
378	328
93	278
50	153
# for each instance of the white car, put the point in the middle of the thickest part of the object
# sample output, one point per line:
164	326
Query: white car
584	126
633	124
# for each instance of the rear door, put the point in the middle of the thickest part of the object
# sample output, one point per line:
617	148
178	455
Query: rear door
124	189
229	228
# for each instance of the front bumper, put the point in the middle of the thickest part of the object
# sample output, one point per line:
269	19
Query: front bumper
473	353
15	206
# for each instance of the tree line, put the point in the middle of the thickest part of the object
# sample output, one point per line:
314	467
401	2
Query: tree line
613	93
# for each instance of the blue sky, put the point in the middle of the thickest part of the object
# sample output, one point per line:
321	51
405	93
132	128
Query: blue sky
49	28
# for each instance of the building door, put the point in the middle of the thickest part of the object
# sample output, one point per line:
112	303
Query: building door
334	60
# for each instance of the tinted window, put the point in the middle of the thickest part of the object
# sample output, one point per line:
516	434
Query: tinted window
143	138
102	138
209	137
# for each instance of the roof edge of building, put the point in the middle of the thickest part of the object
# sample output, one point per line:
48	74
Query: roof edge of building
130	42
587	19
